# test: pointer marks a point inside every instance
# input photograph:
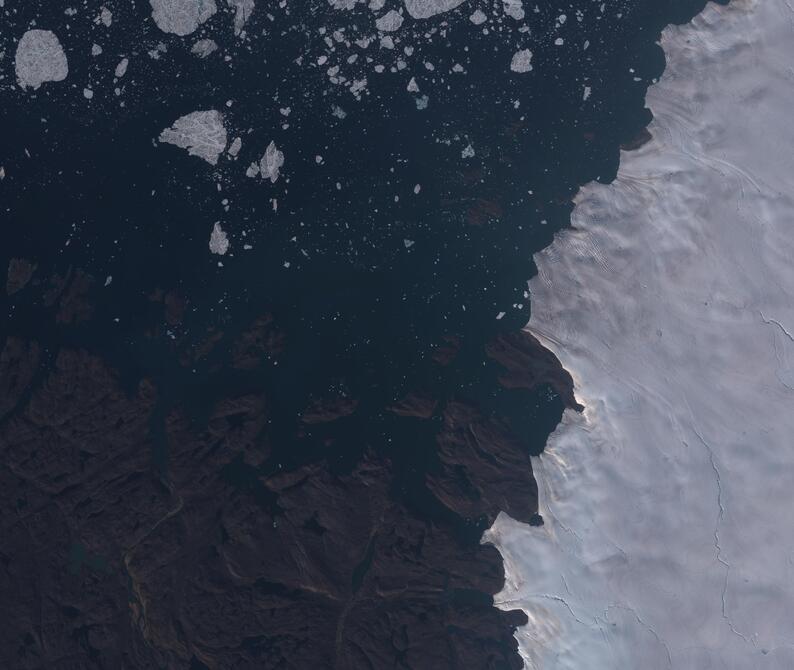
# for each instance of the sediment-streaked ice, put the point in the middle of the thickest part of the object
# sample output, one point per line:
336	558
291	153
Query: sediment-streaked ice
668	538
202	133
40	58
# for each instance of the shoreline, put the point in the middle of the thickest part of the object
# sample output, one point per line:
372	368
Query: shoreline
662	301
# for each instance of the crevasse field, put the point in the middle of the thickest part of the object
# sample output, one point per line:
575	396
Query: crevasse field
669	504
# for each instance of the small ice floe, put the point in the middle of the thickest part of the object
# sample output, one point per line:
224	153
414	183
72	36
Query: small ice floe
219	241
468	152
181	17
40	58
235	147
522	61
478	17
425	9
390	21
514	9
357	86
202	133
204	48
121	68
242	12
105	17
269	166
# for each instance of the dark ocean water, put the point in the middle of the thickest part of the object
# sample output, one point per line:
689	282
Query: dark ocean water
365	278
358	305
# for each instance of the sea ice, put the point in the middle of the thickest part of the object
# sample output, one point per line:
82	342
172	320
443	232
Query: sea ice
522	61
181	17
271	163
202	133
40	58
424	9
390	21
242	12
203	48
219	241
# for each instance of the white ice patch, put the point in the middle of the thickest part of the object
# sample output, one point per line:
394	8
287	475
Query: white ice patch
271	163
121	68
514	9
269	166
181	17
203	48
40	58
667	540
521	61
424	9
235	147
389	22
478	17
219	241
105	17
242	12
201	133
343	4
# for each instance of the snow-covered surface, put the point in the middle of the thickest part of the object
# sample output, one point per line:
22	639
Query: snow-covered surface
668	536
40	58
202	133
